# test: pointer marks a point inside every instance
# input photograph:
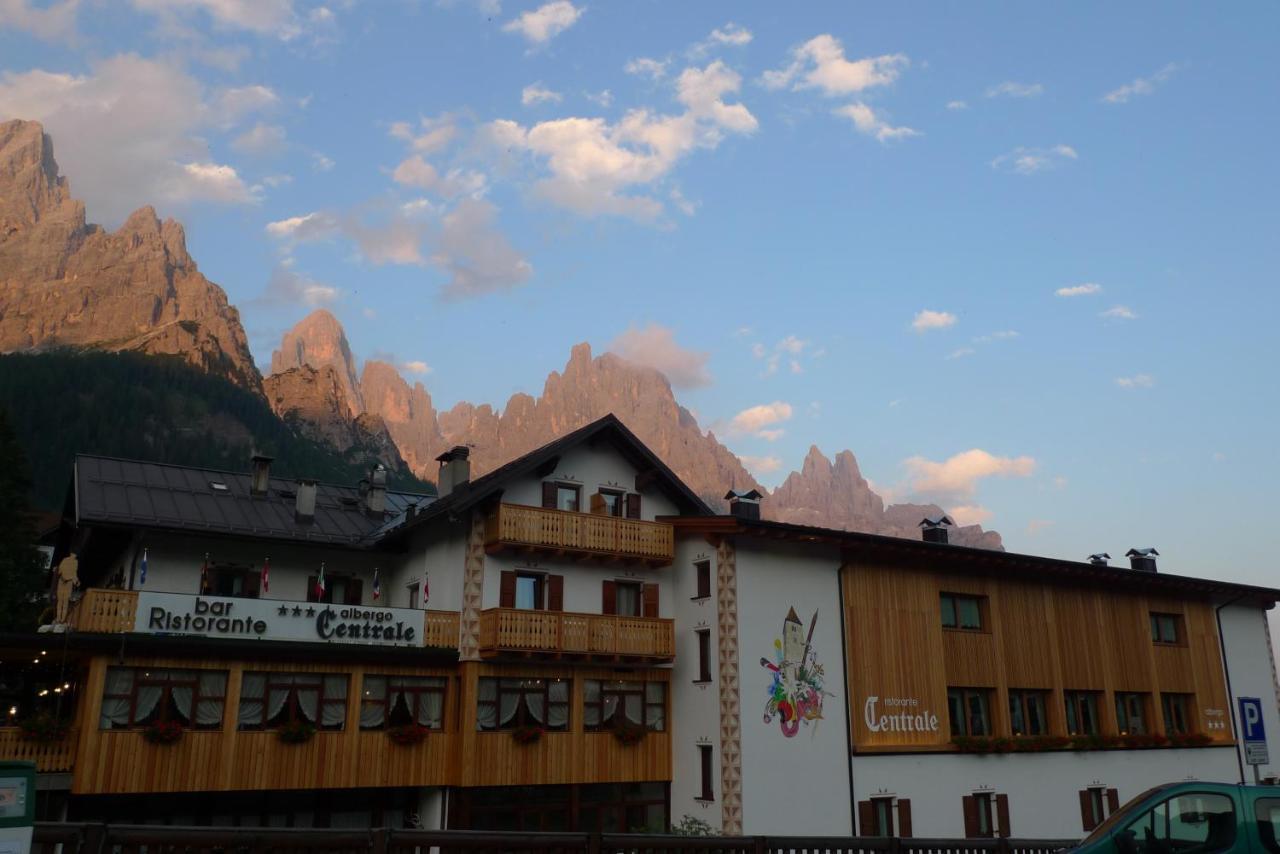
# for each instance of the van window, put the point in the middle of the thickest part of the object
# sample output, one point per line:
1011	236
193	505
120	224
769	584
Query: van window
1191	823
1267	812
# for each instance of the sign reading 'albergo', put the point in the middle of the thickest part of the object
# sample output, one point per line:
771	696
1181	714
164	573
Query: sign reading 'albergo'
266	619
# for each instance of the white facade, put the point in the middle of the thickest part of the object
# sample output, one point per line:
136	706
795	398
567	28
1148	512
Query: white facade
1249	654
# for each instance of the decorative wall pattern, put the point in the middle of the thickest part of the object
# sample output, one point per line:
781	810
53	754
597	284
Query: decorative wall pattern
730	693
472	590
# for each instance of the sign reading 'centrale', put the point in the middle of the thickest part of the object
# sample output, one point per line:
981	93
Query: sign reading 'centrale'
901	714
266	619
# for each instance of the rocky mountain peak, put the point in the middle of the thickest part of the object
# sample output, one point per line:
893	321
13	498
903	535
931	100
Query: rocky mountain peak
318	340
29	181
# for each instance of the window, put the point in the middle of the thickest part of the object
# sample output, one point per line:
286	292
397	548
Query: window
1164	628
389	701
233	581
415	590
532	591
1082	712
629	598
137	696
273	700
1267	813
1177	713
627	601
567	497
703	570
1026	713
611	503
704	655
986	815
1131	713
606	704
338	590
969	711
1096	803
505	704
704	763
961	612
529	591
1192	822
876	817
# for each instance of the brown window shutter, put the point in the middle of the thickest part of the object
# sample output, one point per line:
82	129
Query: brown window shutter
704	655
1113	800
597	504
904	817
650	595
866	819
549	494
1087	818
311	588
1002	816
355	592
633	505
555	592
507	590
609	604
253	584
970	816
703	569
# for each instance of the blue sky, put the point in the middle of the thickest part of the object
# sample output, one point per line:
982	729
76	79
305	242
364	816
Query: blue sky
843	225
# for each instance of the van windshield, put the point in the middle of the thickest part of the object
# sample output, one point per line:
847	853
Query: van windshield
1123	813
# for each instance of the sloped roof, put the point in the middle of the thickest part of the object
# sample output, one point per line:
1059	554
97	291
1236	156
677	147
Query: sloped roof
183	498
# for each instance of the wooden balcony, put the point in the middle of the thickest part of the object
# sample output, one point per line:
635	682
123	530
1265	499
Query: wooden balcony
600	637
49	756
588	535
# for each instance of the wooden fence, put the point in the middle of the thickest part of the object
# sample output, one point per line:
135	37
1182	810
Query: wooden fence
71	838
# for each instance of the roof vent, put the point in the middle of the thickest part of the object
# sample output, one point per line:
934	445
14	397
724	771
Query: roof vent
261	474
1099	559
744	505
1143	560
305	504
455	469
217	486
933	529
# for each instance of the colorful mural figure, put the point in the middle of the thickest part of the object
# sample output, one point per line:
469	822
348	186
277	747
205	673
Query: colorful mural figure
796	690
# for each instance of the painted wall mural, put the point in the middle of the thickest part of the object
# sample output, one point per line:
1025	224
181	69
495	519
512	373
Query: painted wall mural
796	688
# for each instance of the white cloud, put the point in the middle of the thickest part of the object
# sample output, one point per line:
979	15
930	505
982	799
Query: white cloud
130	132
261	139
416	367
868	122
52	22
287	287
656	347
1082	290
958	476
1119	312
536	93
232	105
382	238
316	225
969	514
790	347
541	25
415	171
771	435
476	255
603	98
433	134
1001	335
926	320
320	162
760	466
263	17
757	419
1011	89
1140	86
820	63
1136	381
647	67
730	35
960	353
957	105
595	167
1028	161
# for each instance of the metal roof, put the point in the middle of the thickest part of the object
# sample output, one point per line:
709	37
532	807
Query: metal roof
185	498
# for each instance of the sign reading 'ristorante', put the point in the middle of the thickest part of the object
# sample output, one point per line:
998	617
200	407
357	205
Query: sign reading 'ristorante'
265	619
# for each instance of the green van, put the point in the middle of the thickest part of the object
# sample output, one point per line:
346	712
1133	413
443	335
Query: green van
1192	818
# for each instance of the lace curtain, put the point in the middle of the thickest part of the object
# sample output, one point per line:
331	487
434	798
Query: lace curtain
558	713
252	688
334	714
486	708
373	704
115	711
213	691
655	695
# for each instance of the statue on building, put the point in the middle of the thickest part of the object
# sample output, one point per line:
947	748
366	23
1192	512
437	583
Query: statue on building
68	580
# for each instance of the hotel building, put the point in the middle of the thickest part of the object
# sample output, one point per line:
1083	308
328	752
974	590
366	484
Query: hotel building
575	641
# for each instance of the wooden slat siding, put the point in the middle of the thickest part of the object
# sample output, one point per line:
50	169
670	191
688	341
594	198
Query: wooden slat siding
1038	635
122	761
49	756
584	532
522	630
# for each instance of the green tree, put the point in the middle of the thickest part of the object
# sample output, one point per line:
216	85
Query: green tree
21	564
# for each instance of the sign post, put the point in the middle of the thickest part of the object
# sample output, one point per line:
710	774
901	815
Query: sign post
17	806
1253	734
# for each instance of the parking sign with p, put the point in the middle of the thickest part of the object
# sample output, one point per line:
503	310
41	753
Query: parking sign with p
1253	732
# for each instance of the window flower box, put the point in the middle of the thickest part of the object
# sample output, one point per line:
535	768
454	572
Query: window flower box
296	733
629	733
43	728
163	732
408	735
526	734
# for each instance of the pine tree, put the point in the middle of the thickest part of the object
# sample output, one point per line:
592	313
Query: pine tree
21	563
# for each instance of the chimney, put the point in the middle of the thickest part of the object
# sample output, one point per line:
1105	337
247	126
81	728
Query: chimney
744	505
1099	559
375	501
455	469
305	504
933	529
261	474
1143	560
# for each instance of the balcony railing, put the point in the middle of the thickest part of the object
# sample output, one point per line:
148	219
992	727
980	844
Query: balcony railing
590	635
108	611
584	533
49	756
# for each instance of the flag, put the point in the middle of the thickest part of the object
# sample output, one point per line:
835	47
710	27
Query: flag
320	585
142	571
266	581
426	588
377	585
204	574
